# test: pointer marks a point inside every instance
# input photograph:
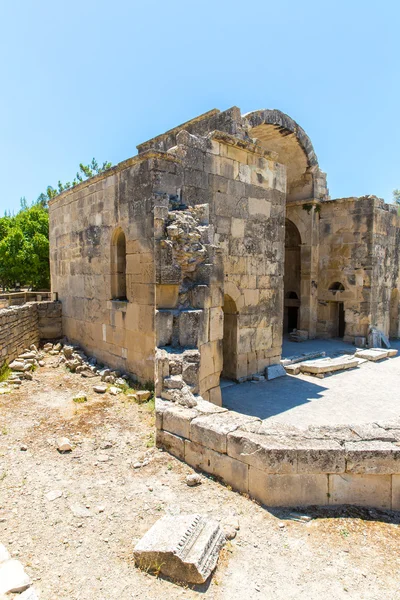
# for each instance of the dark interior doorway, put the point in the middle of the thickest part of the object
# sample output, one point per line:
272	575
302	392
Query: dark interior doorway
230	339
341	320
292	317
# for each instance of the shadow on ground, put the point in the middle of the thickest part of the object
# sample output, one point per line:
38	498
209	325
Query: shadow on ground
341	511
270	398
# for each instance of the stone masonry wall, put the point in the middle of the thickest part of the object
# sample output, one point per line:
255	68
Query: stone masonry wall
345	256
21	326
386	265
83	224
281	465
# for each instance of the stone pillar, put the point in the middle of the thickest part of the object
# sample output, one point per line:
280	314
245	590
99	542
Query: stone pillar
309	252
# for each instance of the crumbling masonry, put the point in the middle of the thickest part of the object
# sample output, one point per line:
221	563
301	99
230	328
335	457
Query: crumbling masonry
193	258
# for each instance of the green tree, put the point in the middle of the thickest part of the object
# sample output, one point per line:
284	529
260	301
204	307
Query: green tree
85	172
24	237
396	196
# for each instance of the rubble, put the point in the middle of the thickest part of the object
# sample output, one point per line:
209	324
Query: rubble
185	548
64	445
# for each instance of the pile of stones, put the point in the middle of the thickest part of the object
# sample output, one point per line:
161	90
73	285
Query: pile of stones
76	361
22	368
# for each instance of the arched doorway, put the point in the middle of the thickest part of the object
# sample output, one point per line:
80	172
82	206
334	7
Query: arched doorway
338	315
230	338
292	277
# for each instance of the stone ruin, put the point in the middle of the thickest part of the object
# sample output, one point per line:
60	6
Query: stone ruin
192	259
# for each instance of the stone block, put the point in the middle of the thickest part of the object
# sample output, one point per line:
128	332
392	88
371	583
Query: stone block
373	354
292	369
270	454
372	431
288	490
160	407
396	492
174	444
229	470
363	490
176	419
216	396
164	323
329	365
274	371
183	547
211	431
360	341
259	207
372	457
320	456
189	327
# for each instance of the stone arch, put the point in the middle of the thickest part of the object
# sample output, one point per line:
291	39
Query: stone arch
118	265
279	133
336	286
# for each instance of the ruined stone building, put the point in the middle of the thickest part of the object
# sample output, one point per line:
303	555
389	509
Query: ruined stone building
213	242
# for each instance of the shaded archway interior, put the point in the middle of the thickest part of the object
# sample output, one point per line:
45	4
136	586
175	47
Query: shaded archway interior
292	277
118	266
230	340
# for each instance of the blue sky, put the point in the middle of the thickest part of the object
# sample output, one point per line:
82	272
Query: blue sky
94	78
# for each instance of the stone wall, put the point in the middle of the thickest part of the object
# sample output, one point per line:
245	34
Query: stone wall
282	465
86	224
21	326
346	257
386	269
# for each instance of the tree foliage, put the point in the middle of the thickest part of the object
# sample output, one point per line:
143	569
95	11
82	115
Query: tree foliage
24	248
396	196
85	172
24	237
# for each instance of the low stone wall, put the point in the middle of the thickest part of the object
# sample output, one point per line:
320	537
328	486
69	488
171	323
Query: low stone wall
282	465
21	326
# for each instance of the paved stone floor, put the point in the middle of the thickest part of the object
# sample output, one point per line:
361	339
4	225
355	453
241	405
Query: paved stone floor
363	395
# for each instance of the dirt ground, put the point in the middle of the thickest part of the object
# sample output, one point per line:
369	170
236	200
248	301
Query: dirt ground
79	545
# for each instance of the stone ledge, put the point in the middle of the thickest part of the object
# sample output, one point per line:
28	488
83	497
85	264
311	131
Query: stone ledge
282	465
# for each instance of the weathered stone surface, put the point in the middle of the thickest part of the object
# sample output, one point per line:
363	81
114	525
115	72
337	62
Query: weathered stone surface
372	431
233	472
288	490
13	578
185	548
327	365
212	431
279	454
64	445
365	490
174	444
274	371
372	457
193	480
373	354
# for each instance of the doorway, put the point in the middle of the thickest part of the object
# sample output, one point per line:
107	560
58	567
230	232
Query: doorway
229	339
292	316
341	320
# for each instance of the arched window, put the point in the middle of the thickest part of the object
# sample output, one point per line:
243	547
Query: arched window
336	287
118	265
292	296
